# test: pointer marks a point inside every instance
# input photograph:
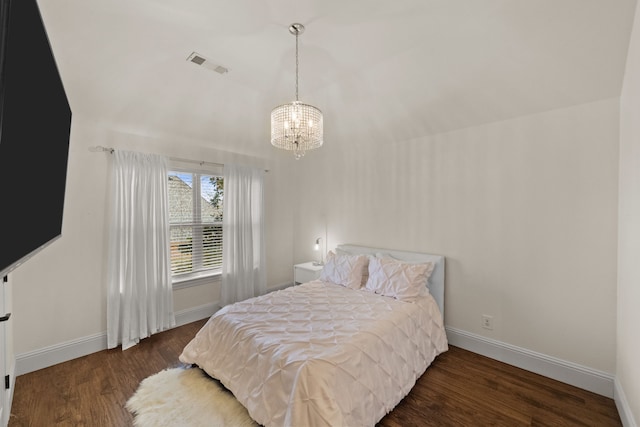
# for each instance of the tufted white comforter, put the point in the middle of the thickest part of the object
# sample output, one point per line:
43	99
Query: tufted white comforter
319	353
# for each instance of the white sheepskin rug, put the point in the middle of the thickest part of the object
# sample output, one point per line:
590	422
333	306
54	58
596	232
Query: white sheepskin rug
185	397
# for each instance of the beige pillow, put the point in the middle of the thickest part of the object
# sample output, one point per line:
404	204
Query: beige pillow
345	270
365	273
397	279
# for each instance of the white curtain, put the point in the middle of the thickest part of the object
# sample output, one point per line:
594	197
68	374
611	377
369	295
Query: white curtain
243	248
140	299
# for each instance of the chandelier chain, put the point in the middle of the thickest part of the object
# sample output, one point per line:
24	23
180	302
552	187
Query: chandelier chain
297	65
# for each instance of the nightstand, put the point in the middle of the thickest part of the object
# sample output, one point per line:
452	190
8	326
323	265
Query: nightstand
306	272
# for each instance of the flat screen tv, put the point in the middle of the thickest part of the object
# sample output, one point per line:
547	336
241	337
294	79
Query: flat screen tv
35	121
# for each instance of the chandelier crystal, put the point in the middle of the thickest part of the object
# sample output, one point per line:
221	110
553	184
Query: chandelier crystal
296	126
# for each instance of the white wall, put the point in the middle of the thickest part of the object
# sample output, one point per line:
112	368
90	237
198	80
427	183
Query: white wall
60	293
524	210
628	332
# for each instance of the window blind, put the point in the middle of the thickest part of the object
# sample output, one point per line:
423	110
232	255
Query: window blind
195	213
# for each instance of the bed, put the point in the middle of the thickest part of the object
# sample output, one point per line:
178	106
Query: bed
327	353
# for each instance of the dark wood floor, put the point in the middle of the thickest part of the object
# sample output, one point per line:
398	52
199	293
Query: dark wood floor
459	389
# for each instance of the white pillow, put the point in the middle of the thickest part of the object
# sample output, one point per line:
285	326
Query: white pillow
345	270
386	255
365	274
397	279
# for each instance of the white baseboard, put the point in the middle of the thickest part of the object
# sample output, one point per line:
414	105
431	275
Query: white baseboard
626	416
58	353
196	313
576	375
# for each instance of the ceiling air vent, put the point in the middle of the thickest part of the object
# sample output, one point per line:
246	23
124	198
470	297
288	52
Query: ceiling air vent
198	59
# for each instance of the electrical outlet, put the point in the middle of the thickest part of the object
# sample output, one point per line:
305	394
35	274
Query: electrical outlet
487	321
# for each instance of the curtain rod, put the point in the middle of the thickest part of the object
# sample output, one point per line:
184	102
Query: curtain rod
111	150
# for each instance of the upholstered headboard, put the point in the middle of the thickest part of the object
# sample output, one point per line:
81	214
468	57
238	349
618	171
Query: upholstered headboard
436	280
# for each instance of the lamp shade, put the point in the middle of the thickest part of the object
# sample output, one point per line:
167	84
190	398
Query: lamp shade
296	127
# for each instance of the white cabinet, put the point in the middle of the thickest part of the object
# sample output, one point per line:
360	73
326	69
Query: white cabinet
7	359
306	272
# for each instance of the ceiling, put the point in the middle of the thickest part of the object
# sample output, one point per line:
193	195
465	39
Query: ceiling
379	70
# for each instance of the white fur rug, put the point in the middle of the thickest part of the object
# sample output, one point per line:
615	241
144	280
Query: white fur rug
185	397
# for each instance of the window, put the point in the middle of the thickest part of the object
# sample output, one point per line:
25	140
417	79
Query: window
195	221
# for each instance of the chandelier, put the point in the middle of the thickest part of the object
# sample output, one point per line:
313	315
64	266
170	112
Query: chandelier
296	126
